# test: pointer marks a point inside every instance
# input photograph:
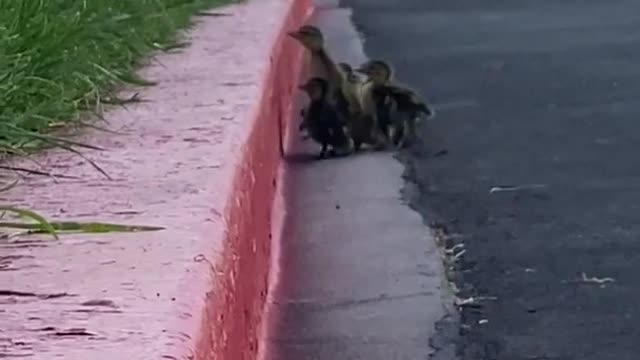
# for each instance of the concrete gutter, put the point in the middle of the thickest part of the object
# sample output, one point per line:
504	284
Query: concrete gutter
200	158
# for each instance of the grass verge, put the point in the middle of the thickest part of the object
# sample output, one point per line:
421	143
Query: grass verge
60	59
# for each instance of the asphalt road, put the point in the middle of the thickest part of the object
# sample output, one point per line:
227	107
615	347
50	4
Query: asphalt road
544	95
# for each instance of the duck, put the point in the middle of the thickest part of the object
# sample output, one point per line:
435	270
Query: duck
351	81
406	112
323	65
377	106
344	84
397	106
322	120
361	126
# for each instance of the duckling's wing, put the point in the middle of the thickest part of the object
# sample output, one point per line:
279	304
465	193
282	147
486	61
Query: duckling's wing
403	94
405	97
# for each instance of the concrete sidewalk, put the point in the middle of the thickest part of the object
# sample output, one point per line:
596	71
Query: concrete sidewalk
361	276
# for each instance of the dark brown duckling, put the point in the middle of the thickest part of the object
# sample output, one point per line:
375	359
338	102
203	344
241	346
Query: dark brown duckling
406	112
322	121
343	84
322	64
398	107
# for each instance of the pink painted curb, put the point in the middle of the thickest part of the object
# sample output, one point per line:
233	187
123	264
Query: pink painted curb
200	158
256	206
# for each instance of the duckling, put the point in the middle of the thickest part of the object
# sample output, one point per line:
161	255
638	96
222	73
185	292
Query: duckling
341	82
350	83
407	111
323	65
398	106
343	88
376	106
322	121
360	126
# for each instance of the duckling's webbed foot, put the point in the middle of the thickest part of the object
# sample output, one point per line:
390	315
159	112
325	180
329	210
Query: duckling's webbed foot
401	143
394	135
344	150
404	142
397	135
388	133
323	152
379	142
410	132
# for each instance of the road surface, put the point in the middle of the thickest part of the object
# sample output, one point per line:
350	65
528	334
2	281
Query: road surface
542	96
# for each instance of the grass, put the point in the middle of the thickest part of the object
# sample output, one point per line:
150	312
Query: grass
61	60
41	222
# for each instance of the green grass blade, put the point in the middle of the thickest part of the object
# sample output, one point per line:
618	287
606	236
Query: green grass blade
42	223
81	227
